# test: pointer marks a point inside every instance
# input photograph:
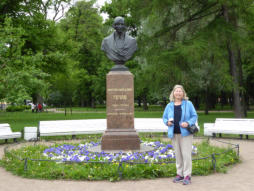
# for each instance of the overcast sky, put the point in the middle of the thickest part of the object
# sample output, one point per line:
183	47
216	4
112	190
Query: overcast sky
98	4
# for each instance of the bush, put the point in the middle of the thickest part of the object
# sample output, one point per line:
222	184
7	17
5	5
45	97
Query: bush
14	108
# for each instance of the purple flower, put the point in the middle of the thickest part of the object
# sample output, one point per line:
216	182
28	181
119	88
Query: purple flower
80	153
169	146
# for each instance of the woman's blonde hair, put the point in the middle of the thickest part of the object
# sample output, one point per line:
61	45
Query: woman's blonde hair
171	97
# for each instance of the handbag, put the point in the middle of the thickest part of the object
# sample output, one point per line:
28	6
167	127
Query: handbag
193	128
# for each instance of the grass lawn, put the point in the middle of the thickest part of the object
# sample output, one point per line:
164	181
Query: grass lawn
19	120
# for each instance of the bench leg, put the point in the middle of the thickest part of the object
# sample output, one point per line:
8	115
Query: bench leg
73	136
247	136
6	140
220	135
214	135
15	140
241	136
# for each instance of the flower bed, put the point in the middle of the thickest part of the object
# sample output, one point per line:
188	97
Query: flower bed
80	153
65	161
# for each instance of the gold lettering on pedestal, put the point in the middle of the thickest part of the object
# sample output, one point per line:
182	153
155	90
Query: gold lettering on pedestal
120	105
120	97
119	109
119	89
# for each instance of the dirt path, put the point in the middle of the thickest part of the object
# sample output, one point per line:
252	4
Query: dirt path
238	178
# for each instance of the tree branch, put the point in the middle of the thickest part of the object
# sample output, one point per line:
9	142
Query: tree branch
29	12
58	10
196	16
45	8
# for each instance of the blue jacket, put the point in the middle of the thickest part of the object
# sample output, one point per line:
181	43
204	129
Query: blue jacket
190	117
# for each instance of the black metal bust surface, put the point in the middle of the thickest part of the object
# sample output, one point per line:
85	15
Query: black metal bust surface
119	46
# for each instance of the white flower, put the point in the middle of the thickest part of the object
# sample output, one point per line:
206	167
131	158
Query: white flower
81	158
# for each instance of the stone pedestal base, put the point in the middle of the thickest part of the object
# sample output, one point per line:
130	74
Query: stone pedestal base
120	139
120	133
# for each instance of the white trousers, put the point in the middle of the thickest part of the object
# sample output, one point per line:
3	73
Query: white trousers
183	153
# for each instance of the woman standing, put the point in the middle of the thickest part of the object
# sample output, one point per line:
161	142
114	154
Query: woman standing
178	114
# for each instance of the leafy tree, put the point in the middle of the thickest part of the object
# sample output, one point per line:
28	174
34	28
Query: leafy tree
83	27
41	38
9	9
175	35
19	74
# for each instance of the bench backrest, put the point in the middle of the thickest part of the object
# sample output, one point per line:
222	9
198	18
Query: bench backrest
69	125
232	123
5	128
99	125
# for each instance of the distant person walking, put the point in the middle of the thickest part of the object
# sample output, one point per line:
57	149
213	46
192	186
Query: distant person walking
39	107
32	107
178	114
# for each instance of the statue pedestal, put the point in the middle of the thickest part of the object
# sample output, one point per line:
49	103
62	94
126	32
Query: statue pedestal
120	133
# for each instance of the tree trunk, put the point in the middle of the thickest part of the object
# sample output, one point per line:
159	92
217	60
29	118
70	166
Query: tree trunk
232	53
196	102
82	101
231	101
144	99
207	102
145	107
164	102
242	93
223	100
92	102
39	99
139	101
247	102
235	75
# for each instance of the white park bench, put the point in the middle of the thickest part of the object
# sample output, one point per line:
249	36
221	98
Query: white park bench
94	126
230	126
71	127
6	133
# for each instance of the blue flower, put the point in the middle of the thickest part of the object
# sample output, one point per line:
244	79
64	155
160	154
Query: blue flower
80	153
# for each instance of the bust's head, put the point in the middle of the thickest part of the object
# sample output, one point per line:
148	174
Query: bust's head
119	25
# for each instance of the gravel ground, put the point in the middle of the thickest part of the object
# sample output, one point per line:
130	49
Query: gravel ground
239	178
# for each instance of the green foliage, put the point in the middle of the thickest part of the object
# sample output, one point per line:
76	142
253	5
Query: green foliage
83	30
14	108
187	42
19	73
7	8
180	42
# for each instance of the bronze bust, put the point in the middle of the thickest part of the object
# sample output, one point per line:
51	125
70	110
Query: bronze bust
119	46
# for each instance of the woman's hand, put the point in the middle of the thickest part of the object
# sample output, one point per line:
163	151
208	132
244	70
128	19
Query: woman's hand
170	123
184	124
